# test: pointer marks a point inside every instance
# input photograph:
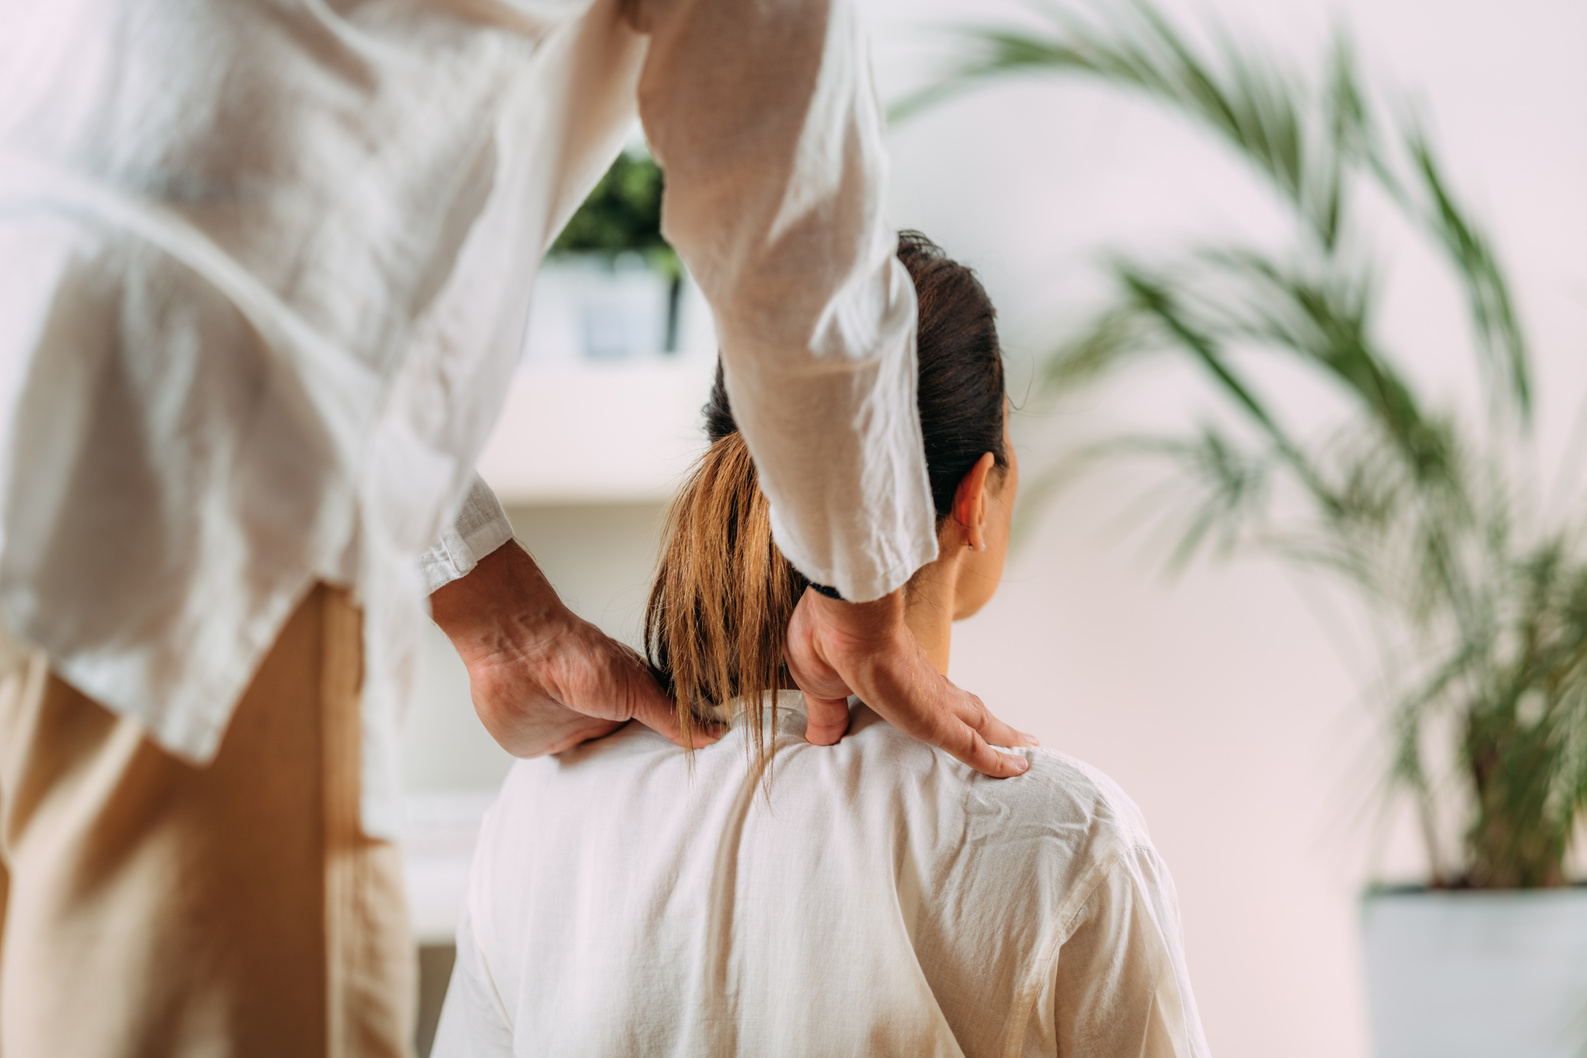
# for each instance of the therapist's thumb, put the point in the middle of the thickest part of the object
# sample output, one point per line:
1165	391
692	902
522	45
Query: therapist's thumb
653	707
828	719
825	690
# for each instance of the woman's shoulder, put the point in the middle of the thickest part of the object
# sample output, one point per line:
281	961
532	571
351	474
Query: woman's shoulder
1061	799
1066	785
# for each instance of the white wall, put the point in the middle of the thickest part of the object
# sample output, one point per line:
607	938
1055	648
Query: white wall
1225	702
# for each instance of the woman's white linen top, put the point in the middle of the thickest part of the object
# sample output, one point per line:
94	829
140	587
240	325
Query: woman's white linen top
264	271
881	899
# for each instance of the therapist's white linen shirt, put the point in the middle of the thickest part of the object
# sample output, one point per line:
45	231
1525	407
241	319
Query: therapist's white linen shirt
264	269
883	900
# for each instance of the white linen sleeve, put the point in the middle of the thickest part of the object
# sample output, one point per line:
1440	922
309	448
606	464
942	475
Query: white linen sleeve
1121	988
481	526
764	119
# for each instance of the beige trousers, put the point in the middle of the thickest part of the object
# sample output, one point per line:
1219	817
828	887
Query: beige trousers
153	908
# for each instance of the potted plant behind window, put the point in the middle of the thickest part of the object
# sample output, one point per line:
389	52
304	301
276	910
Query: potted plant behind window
1431	515
612	288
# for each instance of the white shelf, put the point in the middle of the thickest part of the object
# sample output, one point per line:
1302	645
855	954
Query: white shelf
594	432
578	428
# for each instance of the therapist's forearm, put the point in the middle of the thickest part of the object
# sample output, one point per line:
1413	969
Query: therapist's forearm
503	606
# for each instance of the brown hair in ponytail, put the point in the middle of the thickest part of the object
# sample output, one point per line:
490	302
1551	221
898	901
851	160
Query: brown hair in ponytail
724	593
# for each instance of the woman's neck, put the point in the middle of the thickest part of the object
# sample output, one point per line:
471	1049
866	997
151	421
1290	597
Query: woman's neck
929	602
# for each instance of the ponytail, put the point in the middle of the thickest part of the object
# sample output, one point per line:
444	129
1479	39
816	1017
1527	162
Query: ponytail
722	597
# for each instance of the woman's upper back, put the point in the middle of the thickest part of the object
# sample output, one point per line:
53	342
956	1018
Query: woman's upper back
881	899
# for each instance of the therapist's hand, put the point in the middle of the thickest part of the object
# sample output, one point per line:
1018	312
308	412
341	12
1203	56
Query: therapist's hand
542	678
838	648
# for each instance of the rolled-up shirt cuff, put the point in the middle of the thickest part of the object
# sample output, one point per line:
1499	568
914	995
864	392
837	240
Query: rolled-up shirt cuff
481	526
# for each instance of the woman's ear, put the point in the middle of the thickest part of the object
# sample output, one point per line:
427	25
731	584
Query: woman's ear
969	502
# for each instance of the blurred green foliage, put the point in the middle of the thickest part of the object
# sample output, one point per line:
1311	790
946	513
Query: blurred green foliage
1432	515
622	215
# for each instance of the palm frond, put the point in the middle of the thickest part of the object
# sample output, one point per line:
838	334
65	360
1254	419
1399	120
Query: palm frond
1493	316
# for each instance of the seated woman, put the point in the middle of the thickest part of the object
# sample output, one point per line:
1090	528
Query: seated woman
771	897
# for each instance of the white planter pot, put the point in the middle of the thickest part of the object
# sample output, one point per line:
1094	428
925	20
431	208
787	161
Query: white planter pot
1477	974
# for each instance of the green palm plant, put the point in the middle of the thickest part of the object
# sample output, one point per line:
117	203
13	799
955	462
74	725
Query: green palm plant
1430	516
